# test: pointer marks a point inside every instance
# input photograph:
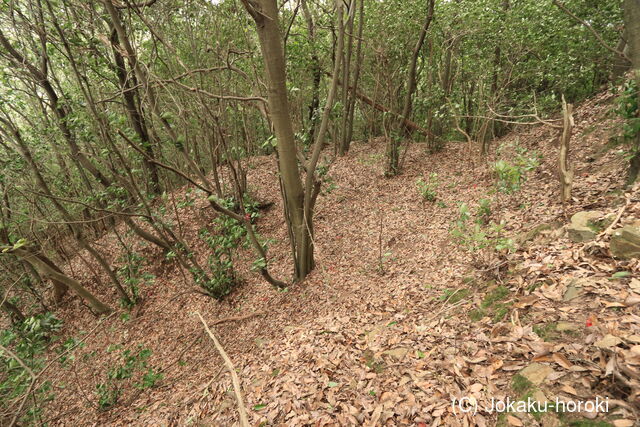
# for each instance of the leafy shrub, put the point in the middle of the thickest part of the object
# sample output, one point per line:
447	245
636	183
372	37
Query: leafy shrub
132	365
27	340
627	108
132	275
475	236
510	176
484	211
228	233
428	189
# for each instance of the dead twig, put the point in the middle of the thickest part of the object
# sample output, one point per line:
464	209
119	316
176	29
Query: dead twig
244	421
609	229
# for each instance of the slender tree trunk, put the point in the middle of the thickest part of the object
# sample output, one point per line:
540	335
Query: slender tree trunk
47	271
346	77
632	26
265	15
621	64
394	143
351	104
316	72
564	166
133	112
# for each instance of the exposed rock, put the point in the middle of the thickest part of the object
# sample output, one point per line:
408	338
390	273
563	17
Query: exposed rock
625	242
533	233
573	291
567	326
536	373
397	353
583	226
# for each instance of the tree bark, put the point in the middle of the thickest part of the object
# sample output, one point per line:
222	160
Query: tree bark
316	71
133	111
13	311
393	155
565	169
351	104
47	271
632	27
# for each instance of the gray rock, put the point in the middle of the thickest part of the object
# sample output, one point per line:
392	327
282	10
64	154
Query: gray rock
583	226
536	372
572	292
397	353
625	242
534	232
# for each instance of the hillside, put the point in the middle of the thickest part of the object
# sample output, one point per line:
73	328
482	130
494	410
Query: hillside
397	319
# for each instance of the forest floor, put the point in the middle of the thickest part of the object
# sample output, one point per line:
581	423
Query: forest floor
396	320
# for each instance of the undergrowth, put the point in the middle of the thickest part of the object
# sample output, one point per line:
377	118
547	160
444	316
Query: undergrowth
132	370
224	238
25	343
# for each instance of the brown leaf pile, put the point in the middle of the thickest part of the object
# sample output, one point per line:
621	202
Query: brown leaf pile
357	344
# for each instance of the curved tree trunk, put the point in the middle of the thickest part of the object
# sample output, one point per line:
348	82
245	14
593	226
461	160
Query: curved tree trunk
48	272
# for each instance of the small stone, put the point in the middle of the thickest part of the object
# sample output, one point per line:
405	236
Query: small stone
625	242
536	373
572	292
567	326
582	227
397	353
608	341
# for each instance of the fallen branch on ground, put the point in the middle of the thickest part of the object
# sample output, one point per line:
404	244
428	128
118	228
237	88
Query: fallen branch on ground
244	421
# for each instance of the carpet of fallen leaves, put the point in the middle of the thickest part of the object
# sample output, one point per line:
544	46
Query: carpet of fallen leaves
376	334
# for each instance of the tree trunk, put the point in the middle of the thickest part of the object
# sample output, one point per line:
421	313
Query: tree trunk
394	143
316	70
47	271
265	15
341	142
14	312
351	104
565	169
632	27
133	111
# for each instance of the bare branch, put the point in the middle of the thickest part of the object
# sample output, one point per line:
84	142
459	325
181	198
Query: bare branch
244	421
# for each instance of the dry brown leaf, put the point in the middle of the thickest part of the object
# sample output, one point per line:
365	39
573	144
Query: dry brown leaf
513	421
561	360
623	423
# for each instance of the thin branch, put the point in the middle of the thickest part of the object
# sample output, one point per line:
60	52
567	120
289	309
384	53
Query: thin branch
244	421
135	5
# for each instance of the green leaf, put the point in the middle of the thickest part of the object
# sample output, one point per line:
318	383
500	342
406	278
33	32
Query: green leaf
620	274
259	407
332	384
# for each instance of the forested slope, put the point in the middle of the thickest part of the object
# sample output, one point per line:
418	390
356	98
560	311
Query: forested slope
376	207
398	318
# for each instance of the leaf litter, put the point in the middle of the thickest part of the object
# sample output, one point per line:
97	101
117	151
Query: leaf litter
371	341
